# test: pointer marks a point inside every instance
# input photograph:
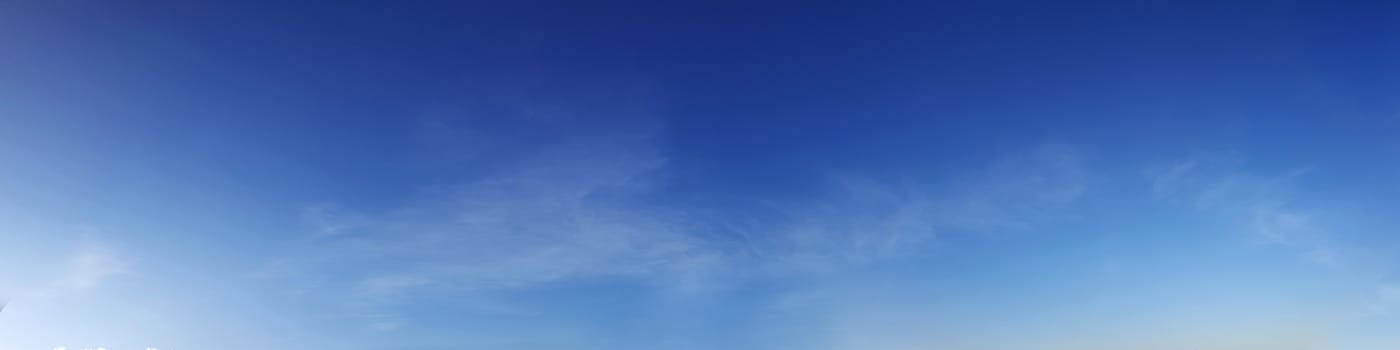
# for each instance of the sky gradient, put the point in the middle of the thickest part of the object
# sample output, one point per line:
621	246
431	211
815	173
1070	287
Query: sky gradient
454	175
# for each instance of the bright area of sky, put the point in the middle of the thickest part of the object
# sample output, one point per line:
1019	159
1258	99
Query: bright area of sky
386	175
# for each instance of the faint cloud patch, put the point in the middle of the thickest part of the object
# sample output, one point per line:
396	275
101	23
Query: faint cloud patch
1324	256
92	265
391	285
1385	301
1278	225
560	214
1264	205
330	220
861	221
580	211
384	326
1017	192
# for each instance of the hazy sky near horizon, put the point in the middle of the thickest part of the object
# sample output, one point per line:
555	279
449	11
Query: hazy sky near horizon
454	175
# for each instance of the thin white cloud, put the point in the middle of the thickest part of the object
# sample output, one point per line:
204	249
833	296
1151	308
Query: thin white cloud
1018	191
578	211
557	215
1263	204
1385	301
1269	208
1324	256
329	220
1278	225
92	265
574	212
865	221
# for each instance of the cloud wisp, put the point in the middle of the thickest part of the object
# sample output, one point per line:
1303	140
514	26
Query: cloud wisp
860	221
579	211
558	215
1265	205
92	265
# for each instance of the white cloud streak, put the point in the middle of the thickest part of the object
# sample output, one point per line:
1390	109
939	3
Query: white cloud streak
92	265
1386	301
558	215
1270	210
1264	204
577	211
865	221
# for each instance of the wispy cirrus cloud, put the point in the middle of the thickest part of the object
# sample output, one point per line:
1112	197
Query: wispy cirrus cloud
861	221
1269	208
579	211
71	267
1385	301
543	204
557	215
93	264
1265	204
329	220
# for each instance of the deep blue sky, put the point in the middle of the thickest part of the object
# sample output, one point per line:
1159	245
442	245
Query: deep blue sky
446	175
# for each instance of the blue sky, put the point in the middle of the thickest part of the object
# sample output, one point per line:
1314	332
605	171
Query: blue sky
437	175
